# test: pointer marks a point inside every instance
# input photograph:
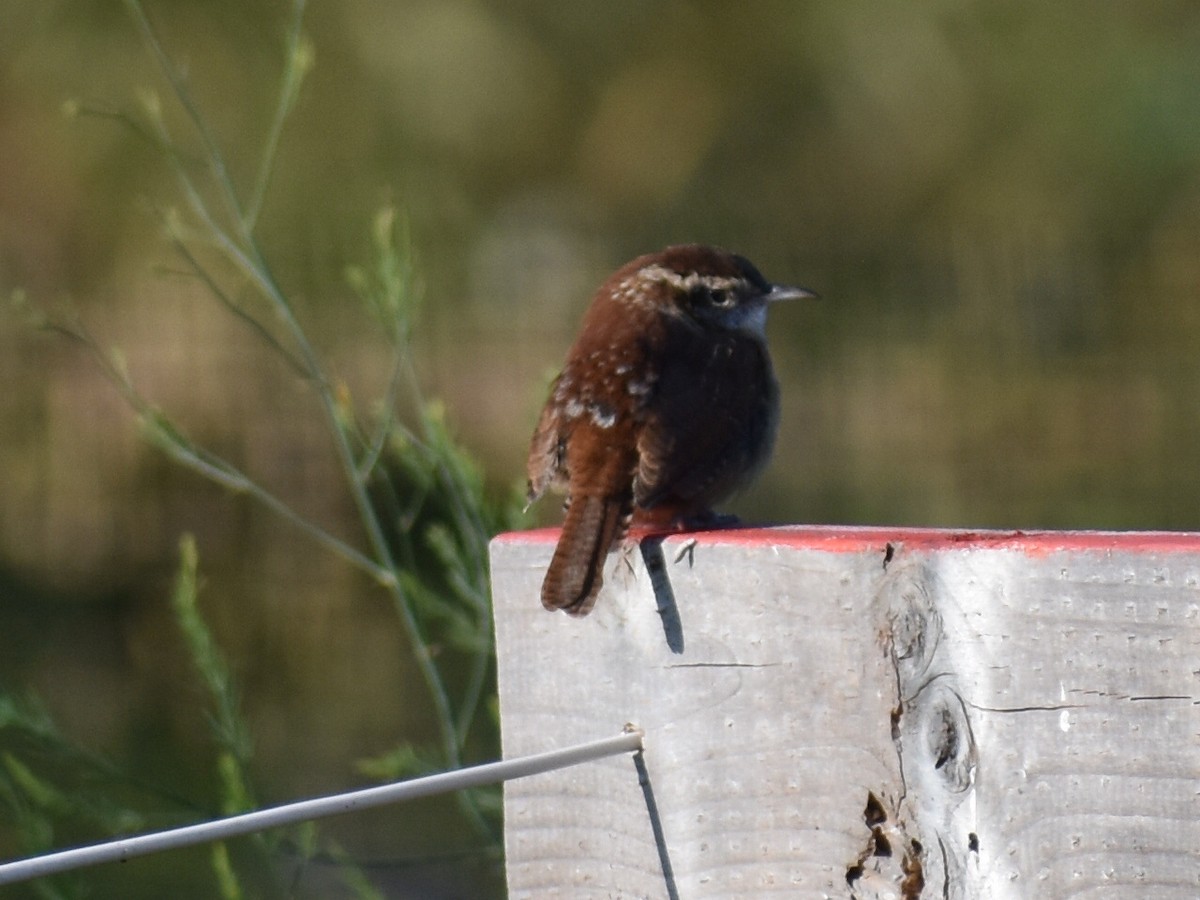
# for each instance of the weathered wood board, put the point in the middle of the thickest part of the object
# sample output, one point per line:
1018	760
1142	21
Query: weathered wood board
861	713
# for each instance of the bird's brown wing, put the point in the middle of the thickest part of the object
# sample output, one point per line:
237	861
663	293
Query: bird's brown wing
601	461
545	466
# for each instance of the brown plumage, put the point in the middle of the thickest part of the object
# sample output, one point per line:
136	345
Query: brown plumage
667	403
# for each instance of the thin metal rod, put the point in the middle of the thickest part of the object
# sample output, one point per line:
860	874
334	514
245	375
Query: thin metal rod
629	741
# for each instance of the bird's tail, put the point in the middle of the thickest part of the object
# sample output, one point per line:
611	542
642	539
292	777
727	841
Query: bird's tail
593	524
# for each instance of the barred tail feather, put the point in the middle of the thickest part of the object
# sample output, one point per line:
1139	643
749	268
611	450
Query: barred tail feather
593	524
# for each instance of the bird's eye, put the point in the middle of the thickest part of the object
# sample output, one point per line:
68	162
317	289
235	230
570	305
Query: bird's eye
714	298
721	298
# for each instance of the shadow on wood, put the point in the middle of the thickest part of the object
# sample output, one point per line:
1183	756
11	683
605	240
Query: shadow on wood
660	841
664	595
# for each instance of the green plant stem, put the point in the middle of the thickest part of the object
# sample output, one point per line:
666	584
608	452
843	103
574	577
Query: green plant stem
245	253
199	271
211	149
293	73
208	464
387	421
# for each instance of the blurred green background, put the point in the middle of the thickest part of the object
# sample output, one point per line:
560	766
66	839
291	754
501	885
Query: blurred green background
999	202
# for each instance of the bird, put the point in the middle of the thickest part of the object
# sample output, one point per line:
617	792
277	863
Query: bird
667	404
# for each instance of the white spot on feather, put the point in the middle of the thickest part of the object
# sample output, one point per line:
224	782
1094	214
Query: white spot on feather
604	416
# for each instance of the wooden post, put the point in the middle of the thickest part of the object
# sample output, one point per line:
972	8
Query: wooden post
866	713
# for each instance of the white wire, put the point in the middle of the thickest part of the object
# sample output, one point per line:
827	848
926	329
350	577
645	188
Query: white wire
629	741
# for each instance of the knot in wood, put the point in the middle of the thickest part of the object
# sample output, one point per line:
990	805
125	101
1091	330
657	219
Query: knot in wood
914	626
943	739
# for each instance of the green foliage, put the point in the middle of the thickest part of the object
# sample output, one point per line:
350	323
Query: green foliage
388	288
425	511
233	741
228	728
52	790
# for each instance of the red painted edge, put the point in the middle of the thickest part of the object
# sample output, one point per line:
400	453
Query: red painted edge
857	538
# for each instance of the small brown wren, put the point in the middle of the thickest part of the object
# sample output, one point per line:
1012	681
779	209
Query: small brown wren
666	405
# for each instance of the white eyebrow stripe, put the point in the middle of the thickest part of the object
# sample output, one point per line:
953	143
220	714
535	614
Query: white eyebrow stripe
685	283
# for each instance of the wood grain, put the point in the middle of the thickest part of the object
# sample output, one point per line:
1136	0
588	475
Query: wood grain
961	715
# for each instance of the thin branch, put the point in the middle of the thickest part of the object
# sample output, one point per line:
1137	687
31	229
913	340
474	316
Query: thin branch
387	421
299	60
260	330
221	472
473	692
179	88
184	451
135	126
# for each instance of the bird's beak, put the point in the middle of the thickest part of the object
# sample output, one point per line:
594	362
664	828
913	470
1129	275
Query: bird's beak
790	292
